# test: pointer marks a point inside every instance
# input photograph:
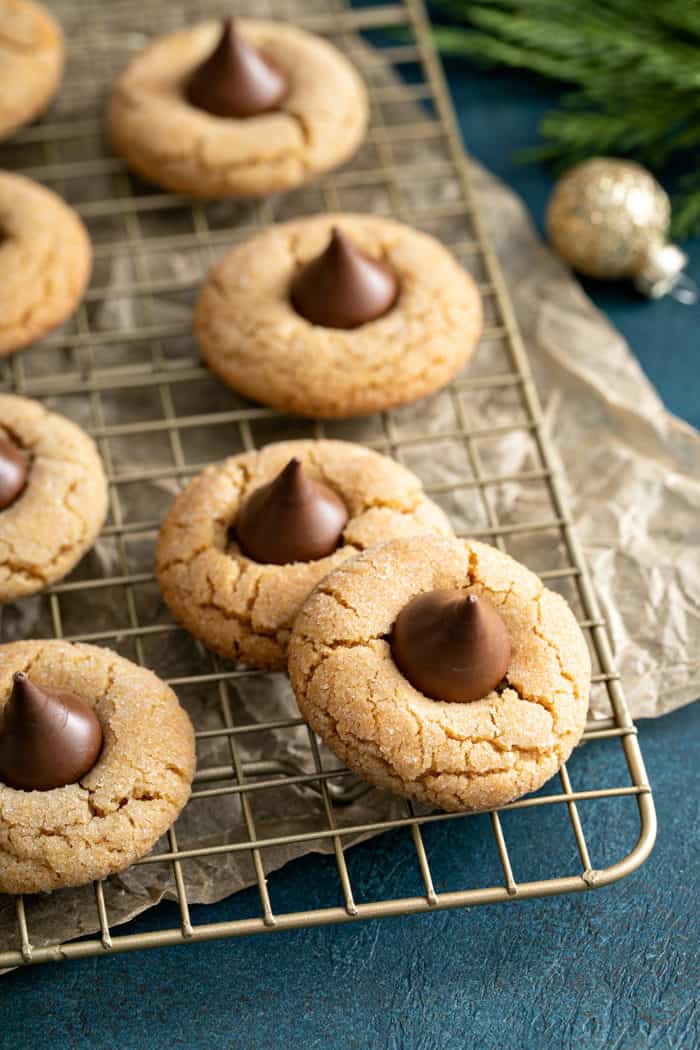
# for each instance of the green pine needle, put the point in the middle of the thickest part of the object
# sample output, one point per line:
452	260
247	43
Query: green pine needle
635	65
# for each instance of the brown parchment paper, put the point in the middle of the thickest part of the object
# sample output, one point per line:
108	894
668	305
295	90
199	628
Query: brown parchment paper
633	476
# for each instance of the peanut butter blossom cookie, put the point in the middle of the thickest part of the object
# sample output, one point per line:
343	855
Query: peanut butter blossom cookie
31	62
337	316
53	496
45	259
442	670
96	761
239	109
245	542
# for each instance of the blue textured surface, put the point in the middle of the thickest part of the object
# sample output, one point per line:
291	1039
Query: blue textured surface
613	968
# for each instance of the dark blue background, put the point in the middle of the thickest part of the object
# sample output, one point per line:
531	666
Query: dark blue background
613	968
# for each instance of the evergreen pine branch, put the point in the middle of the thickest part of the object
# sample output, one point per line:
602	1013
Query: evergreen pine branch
635	67
686	212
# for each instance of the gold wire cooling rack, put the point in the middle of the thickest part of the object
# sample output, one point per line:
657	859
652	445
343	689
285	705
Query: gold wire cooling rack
106	366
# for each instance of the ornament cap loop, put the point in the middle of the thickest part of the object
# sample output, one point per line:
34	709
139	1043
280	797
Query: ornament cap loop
685	290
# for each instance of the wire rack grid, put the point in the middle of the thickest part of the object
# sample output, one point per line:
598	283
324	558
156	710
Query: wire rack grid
122	373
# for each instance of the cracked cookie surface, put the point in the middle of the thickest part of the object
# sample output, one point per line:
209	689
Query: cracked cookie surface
31	60
252	337
242	609
176	145
71	835
455	756
58	516
45	259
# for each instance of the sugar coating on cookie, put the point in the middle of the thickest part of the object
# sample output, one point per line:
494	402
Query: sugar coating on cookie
456	756
318	125
250	334
31	62
59	513
70	835
45	260
243	609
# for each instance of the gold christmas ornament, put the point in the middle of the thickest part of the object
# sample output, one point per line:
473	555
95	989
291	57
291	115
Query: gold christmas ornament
609	218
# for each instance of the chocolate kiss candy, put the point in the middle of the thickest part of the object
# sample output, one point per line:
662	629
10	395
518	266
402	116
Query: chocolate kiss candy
451	645
291	519
236	80
343	287
13	473
47	740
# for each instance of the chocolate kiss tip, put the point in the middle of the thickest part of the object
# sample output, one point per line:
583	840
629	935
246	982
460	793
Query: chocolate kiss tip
340	239
451	646
343	287
47	739
13	473
236	80
291	519
292	468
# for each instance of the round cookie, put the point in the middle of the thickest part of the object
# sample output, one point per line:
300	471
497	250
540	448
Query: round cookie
45	259
46	530
243	609
31	60
252	337
455	756
165	138
70	835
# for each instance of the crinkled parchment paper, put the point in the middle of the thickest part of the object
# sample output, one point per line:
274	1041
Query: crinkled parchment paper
633	475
